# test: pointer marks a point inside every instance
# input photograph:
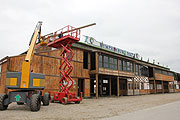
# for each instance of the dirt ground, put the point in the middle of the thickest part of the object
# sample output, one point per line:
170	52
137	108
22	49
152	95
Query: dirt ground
89	108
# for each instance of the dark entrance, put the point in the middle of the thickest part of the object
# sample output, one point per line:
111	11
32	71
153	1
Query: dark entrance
114	87
93	61
165	83
80	86
123	87
104	87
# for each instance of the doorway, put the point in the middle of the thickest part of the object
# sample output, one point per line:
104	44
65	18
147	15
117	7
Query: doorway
80	86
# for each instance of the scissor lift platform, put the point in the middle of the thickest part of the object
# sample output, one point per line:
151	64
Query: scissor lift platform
65	40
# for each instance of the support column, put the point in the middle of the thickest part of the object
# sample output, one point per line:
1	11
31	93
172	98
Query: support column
110	86
133	86
168	88
96	86
155	87
162	87
97	71
173	87
117	86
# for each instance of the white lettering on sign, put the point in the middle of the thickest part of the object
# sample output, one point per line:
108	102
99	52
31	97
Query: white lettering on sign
92	41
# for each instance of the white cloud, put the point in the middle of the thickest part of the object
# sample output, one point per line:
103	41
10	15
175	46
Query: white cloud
149	27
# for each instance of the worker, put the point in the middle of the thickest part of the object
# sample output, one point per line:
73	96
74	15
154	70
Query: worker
60	35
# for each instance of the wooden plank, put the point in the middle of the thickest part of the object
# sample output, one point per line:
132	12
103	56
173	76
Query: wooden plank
164	77
87	88
117	86
110	86
96	86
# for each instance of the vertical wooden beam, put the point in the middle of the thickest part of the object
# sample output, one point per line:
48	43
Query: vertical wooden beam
168	88
133	86
173	87
97	72
97	62
163	86
96	86
133	78
118	86
110	86
155	87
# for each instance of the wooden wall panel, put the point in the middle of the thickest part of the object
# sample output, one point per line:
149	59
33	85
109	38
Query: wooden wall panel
50	66
85	73
3	82
15	63
74	88
37	64
54	53
73	73
79	55
78	69
164	77
75	54
51	83
87	88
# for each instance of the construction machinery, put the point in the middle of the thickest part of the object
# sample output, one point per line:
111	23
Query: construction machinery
64	38
26	86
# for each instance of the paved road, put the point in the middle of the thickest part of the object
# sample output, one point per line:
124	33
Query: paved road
169	111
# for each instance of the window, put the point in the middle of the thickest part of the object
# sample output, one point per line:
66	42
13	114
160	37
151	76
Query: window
129	67
115	64
85	60
142	86
158	71
106	60
100	61
137	85
145	71
120	65
171	74
140	70
134	85
136	69
165	72
124	65
105	81
111	63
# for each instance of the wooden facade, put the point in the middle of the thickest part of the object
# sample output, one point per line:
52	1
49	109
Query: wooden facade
93	76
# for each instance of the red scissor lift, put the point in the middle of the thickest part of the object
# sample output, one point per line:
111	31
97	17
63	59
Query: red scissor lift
64	38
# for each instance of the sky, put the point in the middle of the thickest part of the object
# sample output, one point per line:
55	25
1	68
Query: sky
150	28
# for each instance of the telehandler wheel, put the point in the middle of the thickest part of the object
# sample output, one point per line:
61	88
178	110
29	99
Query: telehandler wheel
35	102
2	98
64	100
46	99
20	103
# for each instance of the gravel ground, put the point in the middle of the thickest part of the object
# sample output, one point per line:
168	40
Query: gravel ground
89	108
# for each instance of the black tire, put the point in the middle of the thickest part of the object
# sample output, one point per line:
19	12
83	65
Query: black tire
77	102
35	102
64	100
2	98
20	103
46	99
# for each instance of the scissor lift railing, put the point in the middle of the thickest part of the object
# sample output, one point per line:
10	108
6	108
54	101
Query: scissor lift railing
64	38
